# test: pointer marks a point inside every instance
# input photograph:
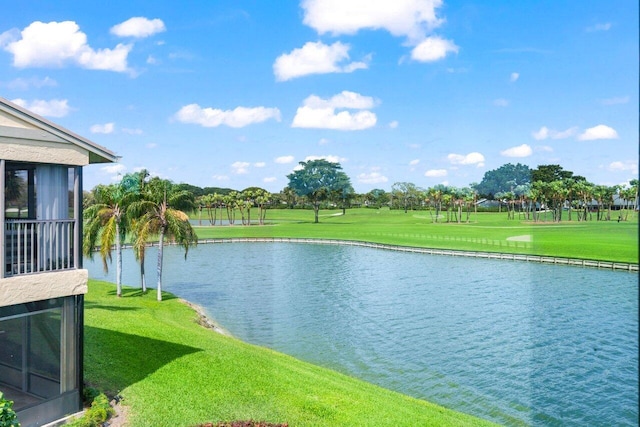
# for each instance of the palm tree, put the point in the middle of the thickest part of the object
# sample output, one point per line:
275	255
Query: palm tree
106	225
230	201
159	214
435	195
584	190
262	199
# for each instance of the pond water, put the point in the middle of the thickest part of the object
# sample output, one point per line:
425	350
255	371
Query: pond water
513	342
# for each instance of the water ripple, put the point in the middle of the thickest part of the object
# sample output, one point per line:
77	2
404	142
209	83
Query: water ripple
516	343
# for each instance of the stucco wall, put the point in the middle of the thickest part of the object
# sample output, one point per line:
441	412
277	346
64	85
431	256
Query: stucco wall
23	150
41	286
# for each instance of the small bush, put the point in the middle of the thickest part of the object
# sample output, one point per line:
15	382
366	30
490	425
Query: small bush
89	394
8	416
98	413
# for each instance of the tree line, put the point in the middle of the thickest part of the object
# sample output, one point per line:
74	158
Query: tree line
143	208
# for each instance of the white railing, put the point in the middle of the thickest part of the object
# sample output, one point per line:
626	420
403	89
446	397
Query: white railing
34	246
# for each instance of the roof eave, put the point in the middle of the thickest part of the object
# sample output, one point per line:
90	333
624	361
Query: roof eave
97	153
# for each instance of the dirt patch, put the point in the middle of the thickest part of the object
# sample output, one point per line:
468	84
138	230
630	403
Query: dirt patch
203	320
119	419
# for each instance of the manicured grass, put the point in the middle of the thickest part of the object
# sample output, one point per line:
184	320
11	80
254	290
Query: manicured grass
490	232
173	372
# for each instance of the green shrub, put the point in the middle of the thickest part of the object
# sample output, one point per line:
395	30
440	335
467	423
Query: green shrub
89	394
98	413
8	416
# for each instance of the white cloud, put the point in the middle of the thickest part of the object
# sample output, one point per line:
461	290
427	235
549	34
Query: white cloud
55	44
239	117
259	164
329	158
151	145
468	159
623	166
414	162
514	77
501	102
315	58
105	128
240	168
565	133
269	179
52	108
604	26
413	19
25	84
542	133
394	124
598	132
283	160
324	141
321	113
115	168
138	27
616	100
545	133
344	99
326	118
435	173
372	178
544	148
410	18
433	49
220	177
523	150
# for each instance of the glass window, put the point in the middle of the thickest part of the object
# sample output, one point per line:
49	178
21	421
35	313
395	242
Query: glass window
43	191
19	190
37	341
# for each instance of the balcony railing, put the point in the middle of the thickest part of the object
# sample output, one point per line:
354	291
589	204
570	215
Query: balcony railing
34	246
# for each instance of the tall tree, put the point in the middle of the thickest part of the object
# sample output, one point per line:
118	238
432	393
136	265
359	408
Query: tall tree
407	193
288	196
106	224
435	196
377	197
316	180
550	173
343	191
136	181
262	199
159	214
503	179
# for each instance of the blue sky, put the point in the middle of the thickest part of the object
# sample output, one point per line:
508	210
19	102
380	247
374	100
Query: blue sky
236	93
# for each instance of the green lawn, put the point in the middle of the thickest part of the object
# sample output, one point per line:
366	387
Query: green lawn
173	372
491	232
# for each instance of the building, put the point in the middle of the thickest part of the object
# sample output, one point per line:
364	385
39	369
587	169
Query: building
42	282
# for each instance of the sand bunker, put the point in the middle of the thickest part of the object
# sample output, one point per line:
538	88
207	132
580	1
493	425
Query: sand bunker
522	238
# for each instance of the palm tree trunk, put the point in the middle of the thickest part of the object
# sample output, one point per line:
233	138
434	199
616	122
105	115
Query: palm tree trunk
160	255
118	263
143	279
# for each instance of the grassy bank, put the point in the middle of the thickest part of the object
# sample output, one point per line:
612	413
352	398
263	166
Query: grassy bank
489	232
172	371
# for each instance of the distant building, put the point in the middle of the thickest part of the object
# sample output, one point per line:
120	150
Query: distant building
42	282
